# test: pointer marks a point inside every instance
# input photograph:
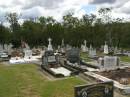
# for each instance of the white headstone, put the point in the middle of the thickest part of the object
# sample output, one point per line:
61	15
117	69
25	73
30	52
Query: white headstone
62	44
6	47
111	62
28	54
59	47
10	48
27	46
106	48
84	47
50	45
92	52
68	47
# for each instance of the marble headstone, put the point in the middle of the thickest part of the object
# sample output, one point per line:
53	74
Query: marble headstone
62	47
106	49
92	52
84	47
28	54
50	45
109	62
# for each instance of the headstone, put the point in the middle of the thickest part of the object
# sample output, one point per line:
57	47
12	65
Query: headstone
109	62
27	46
5	47
28	54
59	47
50	58
50	45
106	51
10	50
1	47
92	52
73	55
115	50
84	47
62	44
62	47
104	89
128	54
68	47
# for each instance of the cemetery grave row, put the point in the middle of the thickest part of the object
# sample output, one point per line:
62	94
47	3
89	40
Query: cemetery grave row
108	66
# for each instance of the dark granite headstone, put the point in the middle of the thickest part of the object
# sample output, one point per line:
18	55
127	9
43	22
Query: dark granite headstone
95	90
50	58
73	55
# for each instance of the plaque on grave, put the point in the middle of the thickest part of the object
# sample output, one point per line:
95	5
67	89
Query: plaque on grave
73	55
104	89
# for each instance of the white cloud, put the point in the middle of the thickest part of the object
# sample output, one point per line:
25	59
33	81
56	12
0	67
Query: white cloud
57	8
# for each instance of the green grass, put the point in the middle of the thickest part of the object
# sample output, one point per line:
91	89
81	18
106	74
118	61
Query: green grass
84	56
27	81
125	58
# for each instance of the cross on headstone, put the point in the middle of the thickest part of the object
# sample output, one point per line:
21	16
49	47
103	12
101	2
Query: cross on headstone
50	45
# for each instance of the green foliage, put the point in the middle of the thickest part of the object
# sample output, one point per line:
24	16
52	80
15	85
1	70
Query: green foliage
72	29
125	58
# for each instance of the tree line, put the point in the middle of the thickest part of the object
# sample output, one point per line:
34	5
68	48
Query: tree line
95	29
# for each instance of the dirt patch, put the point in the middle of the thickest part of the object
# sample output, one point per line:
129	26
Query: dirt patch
120	75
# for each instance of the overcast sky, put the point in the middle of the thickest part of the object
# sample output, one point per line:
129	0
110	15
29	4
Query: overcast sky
57	8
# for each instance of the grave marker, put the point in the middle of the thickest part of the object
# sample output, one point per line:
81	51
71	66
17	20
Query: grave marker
104	89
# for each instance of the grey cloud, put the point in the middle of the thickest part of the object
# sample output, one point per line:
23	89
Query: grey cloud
16	2
47	4
102	1
125	10
31	13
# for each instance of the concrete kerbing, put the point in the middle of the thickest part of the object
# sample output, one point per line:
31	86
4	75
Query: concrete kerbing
125	89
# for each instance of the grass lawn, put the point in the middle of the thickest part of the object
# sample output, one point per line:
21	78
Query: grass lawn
125	58
85	57
27	81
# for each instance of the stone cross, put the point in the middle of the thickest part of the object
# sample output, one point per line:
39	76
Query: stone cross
49	41
50	46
